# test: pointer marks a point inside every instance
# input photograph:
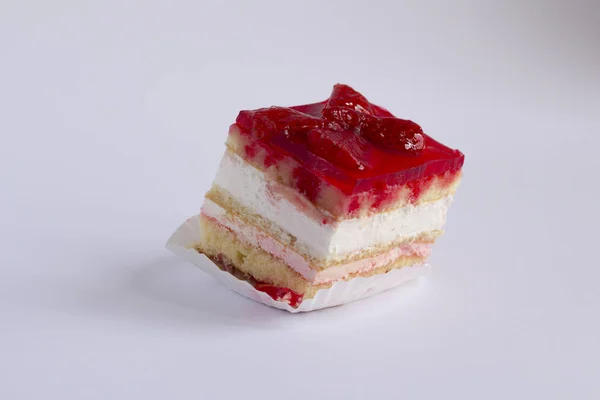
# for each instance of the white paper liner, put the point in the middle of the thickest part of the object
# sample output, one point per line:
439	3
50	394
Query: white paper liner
189	233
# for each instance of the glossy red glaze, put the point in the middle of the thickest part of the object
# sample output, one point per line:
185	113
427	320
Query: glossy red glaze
349	143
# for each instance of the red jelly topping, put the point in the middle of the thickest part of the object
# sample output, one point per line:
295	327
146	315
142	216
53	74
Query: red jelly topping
349	143
281	294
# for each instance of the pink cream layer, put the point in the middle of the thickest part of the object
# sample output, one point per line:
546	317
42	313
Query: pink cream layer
254	237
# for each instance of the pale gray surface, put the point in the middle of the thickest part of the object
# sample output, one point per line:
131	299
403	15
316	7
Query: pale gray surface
113	119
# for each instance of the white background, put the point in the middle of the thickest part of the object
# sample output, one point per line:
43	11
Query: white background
113	116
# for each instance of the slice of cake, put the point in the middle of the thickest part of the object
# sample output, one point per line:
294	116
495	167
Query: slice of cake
311	195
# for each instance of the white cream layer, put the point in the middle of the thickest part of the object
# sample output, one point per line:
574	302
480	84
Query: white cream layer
324	242
254	237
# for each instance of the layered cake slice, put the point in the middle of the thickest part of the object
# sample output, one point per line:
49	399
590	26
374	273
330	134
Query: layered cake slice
311	195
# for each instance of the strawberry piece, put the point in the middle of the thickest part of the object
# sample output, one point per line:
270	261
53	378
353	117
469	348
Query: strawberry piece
397	134
256	123
266	121
341	148
278	293
341	118
345	96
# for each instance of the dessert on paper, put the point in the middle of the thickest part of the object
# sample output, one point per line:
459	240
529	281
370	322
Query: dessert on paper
321	204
